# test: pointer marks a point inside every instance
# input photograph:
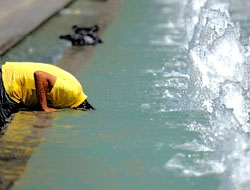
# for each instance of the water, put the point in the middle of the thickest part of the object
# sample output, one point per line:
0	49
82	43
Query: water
170	84
219	84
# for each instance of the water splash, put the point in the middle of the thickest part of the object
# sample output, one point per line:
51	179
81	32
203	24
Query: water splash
219	84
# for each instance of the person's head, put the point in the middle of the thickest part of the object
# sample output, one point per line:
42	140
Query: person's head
85	106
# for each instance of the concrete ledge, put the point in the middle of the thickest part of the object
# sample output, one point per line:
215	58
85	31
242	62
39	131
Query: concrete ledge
19	19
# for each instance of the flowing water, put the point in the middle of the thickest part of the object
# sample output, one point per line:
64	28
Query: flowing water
171	88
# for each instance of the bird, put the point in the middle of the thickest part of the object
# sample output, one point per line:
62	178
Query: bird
89	33
83	36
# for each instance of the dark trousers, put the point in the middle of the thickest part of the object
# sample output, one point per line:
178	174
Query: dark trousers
7	106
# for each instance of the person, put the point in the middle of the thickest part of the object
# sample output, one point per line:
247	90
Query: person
38	86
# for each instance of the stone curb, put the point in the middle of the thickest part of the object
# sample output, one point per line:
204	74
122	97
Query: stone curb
19	21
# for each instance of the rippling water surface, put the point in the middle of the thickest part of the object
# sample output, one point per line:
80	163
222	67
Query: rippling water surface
171	88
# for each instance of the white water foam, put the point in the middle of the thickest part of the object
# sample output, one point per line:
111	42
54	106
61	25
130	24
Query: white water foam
219	83
169	79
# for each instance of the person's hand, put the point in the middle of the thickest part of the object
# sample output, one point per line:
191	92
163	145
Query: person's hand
49	109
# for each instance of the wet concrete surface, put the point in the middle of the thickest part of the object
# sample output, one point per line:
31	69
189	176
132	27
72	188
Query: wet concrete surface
101	13
18	143
19	18
26	130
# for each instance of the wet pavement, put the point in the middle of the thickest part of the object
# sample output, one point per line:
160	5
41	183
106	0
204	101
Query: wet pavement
17	19
18	143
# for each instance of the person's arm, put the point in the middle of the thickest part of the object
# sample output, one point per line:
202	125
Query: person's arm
44	83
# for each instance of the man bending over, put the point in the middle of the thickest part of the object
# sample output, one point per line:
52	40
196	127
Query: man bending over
38	86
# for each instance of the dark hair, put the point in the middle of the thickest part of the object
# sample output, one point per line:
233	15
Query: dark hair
85	106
